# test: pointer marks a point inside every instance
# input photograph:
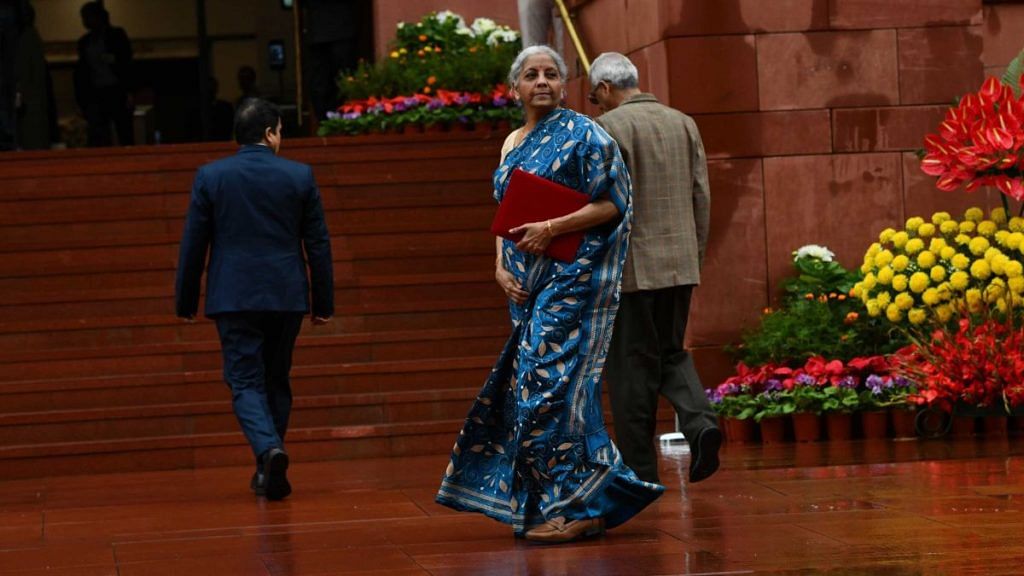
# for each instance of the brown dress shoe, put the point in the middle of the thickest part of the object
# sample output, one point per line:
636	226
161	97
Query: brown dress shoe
558	530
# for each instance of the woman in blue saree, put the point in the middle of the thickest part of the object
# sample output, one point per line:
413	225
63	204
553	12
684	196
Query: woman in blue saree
534	451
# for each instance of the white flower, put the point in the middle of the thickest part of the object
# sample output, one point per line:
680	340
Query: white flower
464	31
401	25
814	251
446	15
502	36
483	26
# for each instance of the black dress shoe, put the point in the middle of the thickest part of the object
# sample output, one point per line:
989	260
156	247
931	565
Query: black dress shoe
275	472
704	454
258	484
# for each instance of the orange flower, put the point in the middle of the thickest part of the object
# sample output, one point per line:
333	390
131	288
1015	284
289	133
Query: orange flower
832	295
421	53
841	297
431	81
426	89
767	310
472	49
809	296
423	37
851	318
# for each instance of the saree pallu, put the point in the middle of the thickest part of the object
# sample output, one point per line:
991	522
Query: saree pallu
534	446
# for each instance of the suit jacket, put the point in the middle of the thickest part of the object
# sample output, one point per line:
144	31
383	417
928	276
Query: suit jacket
255	213
671	199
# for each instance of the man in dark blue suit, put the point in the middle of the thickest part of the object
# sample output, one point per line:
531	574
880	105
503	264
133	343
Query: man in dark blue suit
256	213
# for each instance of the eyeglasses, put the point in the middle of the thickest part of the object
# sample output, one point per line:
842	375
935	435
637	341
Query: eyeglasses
592	96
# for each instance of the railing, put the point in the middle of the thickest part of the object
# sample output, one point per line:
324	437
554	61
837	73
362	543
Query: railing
572	34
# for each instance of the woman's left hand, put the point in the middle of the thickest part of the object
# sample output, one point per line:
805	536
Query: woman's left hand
536	239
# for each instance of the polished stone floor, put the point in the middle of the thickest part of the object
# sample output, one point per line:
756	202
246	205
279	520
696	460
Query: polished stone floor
898	508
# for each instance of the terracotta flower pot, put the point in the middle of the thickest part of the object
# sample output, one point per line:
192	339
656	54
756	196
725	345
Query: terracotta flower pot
995	426
903	422
806	427
773	430
503	127
963	426
874	424
839	426
739	431
435	128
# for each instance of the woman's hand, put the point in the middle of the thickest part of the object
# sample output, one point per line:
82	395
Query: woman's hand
537	236
512	288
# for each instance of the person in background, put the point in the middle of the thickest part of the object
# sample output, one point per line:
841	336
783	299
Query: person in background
246	85
672	212
33	88
332	34
103	78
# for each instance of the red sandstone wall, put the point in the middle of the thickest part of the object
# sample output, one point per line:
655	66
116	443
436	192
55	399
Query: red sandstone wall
809	111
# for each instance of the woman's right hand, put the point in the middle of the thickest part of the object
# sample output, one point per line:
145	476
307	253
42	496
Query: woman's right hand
510	285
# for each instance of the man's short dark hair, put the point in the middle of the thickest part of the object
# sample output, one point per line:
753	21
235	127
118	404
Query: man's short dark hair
252	119
94	9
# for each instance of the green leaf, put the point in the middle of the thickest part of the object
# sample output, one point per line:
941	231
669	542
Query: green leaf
1013	73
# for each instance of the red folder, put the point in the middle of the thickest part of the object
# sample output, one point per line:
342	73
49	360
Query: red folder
530	198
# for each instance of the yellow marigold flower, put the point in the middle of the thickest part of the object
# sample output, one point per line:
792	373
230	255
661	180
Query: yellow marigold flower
885	275
900	282
914	223
998	264
931	296
978	246
868	283
874	310
998	215
900	263
918	282
959	280
926	259
960	262
981	270
866	267
914	246
939	217
394	53
995	290
992	253
899	239
947	253
916	316
987	228
962	239
926	230
1001	237
883	258
949	227
1016	224
1013	240
1013	269
973	297
1016	285
937	274
893	313
1001	305
968	227
883	298
886	235
936	245
975	214
904	301
875	248
945	290
944	312
403	51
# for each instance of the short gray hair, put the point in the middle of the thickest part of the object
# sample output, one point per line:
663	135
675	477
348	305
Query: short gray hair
517	65
615	69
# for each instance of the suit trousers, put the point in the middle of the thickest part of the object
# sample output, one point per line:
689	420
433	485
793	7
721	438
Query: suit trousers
646	359
257	349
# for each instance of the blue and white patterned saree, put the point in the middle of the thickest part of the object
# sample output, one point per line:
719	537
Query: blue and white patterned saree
534	446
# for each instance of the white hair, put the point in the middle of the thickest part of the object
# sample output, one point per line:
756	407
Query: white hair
615	69
517	65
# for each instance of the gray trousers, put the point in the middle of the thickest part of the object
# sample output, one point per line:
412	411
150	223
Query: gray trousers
646	359
536	19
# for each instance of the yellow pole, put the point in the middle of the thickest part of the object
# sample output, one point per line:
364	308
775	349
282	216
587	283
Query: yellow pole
572	34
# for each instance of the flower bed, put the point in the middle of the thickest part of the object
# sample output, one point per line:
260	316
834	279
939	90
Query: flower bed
440	71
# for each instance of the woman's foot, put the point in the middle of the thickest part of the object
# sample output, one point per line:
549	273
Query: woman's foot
558	530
